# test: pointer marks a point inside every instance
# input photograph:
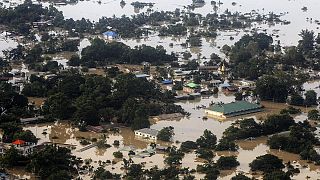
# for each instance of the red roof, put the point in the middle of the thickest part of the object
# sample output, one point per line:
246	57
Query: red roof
18	142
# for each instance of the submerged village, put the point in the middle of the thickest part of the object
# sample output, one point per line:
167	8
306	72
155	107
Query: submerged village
155	89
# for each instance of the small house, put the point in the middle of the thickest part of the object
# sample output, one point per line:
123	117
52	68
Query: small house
110	35
191	88
216	83
167	81
246	84
24	147
143	76
147	133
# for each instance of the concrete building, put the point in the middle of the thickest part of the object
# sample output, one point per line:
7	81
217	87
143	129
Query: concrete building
237	108
147	133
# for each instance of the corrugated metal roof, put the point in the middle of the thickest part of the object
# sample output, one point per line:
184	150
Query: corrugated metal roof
234	107
152	132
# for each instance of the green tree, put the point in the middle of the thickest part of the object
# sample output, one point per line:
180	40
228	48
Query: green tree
206	154
311	98
226	145
141	119
59	106
227	162
240	177
118	154
51	160
12	157
166	133
313	114
307	42
135	171
174	156
296	100
277	175
208	140
187	146
26	135
266	163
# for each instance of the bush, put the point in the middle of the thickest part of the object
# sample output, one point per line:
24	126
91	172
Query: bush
187	146
118	154
266	163
228	162
205	154
226	145
165	134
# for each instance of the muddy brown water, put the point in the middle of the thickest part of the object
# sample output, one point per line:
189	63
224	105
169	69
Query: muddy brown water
189	128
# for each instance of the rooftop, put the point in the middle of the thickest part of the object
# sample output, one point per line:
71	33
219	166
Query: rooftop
18	142
142	76
234	107
192	85
152	132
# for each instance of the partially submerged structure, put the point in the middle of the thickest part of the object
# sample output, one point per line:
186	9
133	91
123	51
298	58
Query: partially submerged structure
237	108
191	88
147	133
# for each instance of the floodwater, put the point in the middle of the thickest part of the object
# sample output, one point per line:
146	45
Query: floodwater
185	129
288	34
189	128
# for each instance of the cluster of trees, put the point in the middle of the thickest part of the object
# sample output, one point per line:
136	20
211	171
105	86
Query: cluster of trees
12	104
247	59
166	134
102	53
177	29
248	128
278	86
301	140
94	99
21	17
309	100
206	144
314	114
12	132
51	162
271	166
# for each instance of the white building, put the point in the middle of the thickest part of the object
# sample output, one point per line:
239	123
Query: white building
147	133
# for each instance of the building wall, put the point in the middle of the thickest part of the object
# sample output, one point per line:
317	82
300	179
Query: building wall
215	114
144	135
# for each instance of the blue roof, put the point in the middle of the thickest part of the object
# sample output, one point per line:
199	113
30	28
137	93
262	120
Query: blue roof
224	85
110	33
167	81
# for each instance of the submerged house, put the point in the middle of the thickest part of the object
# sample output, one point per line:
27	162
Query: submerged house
237	108
192	88
147	133
24	147
110	35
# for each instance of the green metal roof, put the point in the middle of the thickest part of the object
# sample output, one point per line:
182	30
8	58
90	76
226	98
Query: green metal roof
234	107
193	85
